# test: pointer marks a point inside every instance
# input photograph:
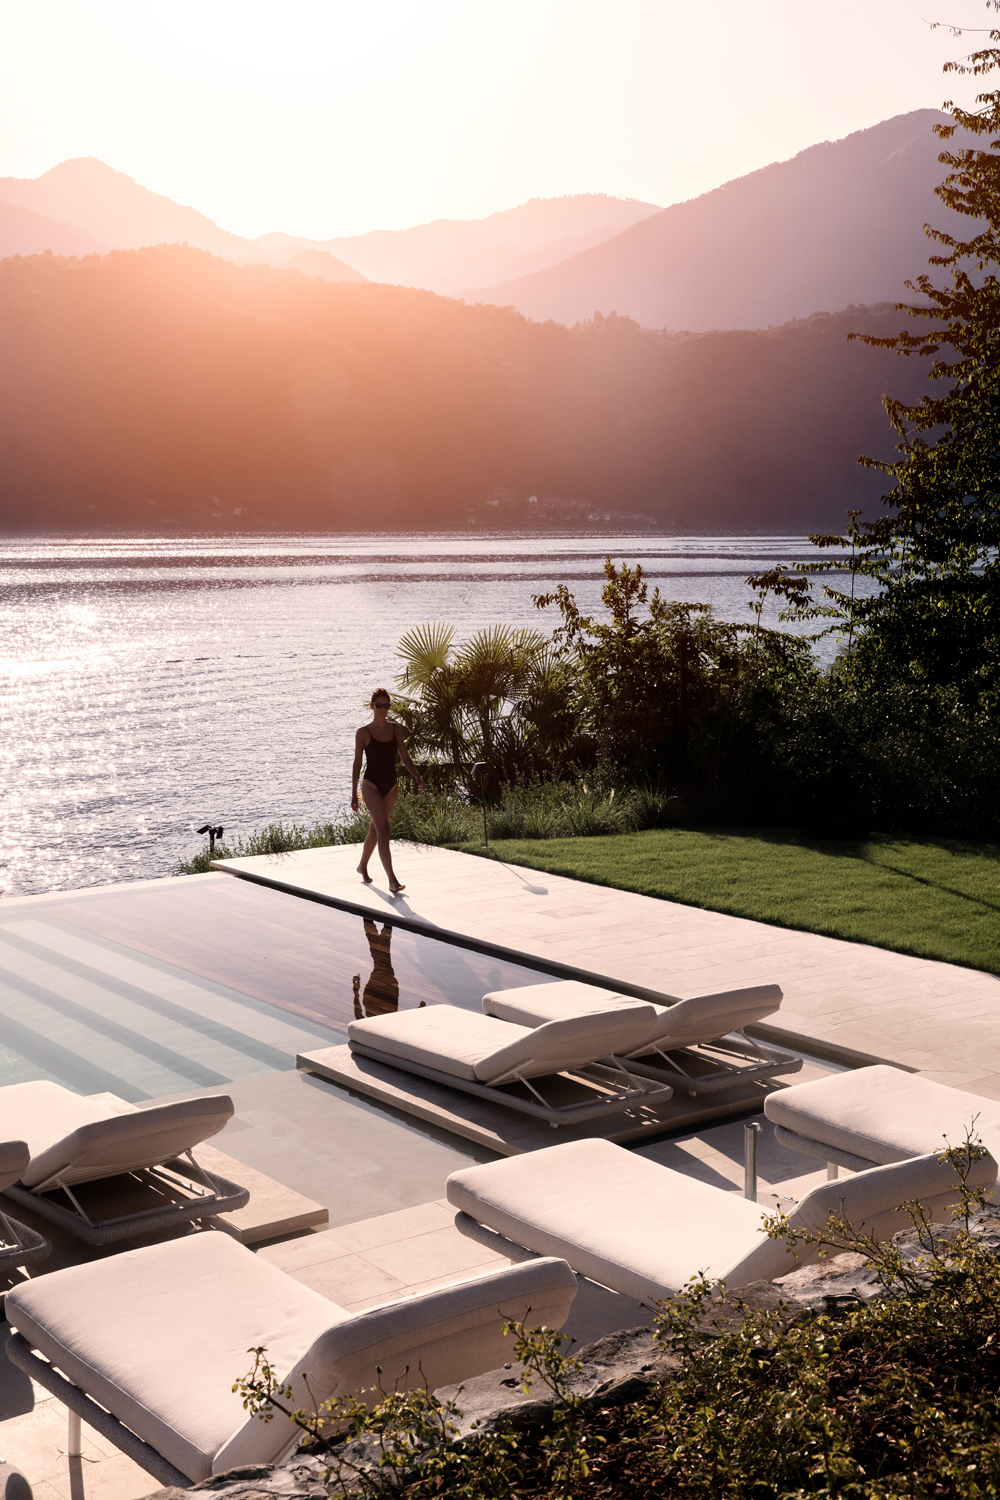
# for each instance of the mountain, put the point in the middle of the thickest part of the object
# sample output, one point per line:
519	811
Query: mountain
115	209
322	263
25	233
169	387
449	254
841	222
107	208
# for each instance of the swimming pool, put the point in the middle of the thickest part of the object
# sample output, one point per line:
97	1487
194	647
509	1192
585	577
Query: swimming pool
162	987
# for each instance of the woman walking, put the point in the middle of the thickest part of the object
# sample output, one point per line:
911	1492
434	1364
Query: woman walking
380	742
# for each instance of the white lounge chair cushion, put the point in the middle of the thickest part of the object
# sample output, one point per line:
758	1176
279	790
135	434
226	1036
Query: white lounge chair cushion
883	1114
618	1218
645	1230
534	1004
159	1335
73	1139
14	1158
685	1023
482	1049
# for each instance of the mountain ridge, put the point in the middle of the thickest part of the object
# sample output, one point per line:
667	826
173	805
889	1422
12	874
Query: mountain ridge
839	222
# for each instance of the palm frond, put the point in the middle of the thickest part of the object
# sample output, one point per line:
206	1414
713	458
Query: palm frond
424	649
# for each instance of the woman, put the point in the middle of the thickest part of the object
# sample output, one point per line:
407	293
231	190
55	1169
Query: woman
380	741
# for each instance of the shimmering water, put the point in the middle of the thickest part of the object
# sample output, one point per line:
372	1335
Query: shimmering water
152	684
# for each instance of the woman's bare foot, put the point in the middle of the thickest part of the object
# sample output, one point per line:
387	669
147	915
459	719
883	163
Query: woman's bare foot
395	888
364	875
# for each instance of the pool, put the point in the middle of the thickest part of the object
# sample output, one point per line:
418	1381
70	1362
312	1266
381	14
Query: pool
164	987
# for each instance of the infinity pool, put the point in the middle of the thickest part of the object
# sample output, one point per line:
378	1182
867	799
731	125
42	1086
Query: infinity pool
159	988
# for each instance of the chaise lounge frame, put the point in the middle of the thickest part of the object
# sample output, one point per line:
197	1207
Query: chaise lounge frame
632	1089
211	1195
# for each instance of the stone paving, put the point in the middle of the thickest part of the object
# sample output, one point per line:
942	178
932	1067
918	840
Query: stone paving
934	1018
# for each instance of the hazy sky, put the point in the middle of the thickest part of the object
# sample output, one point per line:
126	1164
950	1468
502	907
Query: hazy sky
321	117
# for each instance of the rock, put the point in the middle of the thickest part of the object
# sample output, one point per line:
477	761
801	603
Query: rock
618	1368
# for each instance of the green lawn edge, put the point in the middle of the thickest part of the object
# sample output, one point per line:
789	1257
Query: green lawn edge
926	898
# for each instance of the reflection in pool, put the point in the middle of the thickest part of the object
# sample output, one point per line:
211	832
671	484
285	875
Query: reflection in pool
381	993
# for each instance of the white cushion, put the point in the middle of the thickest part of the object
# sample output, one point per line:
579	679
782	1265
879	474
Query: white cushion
617	1218
684	1023
467	1045
43	1112
534	1004
14	1159
706	1017
644	1229
159	1335
883	1114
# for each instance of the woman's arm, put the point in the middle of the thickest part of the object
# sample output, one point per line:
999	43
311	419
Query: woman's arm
359	745
404	756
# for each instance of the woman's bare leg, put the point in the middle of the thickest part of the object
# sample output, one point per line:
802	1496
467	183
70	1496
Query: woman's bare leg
371	839
380	808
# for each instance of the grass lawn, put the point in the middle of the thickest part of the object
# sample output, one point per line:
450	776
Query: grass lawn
937	898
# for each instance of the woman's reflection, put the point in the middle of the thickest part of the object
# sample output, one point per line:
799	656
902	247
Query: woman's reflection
381	993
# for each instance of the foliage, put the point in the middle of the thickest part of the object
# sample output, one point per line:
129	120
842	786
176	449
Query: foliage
663	686
541	810
275	838
501	697
933	615
406	1438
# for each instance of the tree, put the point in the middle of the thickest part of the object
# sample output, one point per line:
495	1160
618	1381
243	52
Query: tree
501	697
932	616
659	674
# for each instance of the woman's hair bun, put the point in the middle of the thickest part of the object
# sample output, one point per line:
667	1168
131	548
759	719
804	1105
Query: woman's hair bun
380	693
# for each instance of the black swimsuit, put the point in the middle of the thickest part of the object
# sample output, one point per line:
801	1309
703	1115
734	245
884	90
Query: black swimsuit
380	763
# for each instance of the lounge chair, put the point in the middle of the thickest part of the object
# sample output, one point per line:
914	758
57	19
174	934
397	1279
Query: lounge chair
644	1230
716	1024
19	1245
497	1061
149	1344
74	1140
878	1114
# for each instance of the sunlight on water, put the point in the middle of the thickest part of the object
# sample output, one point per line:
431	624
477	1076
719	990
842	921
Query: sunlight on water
151	684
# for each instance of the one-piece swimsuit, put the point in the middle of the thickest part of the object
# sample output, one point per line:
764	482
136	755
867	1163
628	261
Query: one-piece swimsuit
380	763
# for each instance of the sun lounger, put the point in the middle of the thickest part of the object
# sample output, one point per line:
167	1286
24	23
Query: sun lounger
74	1140
878	1114
644	1230
714	1023
498	1061
149	1344
19	1245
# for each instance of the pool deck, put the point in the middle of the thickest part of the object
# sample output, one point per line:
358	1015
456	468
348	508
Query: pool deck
843	1000
379	1173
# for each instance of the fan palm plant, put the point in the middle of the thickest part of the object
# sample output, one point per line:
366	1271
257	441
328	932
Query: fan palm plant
497	697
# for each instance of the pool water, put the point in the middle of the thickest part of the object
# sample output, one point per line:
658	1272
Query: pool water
159	988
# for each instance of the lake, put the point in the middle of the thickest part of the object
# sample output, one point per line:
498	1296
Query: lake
152	684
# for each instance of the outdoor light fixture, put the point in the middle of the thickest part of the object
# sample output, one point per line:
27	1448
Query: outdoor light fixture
214	832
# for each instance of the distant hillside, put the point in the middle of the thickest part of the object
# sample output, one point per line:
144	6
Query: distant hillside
25	233
115	209
169	387
322	263
841	222
449	254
